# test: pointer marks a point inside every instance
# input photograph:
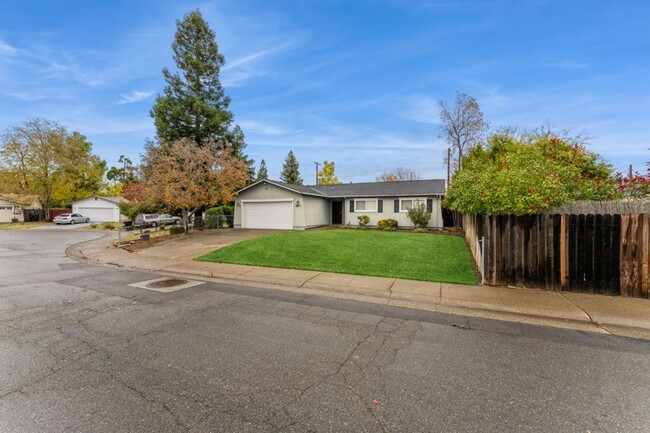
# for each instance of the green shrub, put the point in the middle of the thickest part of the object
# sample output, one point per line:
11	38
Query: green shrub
107	226
220	210
420	230
214	217
176	230
363	220
387	224
93	226
418	215
211	221
216	221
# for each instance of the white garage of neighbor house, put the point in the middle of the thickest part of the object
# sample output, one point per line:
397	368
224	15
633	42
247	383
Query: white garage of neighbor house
99	209
270	204
14	206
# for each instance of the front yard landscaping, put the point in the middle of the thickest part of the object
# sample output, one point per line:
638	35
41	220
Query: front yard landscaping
414	256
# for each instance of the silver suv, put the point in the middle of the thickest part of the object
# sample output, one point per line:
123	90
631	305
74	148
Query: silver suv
147	220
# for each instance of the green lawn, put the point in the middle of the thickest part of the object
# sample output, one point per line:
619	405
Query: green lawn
413	256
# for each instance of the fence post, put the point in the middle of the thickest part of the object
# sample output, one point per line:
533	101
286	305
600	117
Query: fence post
645	254
564	252
482	241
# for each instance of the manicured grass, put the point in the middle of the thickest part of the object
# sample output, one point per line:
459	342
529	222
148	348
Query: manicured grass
414	256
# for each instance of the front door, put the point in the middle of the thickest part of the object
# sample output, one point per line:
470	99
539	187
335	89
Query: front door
337	212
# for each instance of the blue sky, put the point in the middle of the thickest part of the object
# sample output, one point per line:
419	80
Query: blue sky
355	82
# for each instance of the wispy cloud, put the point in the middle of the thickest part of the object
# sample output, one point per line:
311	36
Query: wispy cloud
135	96
566	64
243	61
422	109
6	49
266	128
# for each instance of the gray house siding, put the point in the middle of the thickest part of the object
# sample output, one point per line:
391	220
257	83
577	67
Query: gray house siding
317	211
388	211
270	193
312	205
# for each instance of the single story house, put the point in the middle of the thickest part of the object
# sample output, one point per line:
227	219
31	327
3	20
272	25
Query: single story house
18	207
99	209
270	204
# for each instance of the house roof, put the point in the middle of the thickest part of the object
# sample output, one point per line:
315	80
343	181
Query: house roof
301	189
384	189
115	200
367	189
22	199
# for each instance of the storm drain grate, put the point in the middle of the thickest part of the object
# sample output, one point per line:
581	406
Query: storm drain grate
166	284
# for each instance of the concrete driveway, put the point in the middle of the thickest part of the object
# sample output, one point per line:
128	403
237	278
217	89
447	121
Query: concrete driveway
201	243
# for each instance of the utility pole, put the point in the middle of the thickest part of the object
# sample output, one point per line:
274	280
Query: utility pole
448	166
317	164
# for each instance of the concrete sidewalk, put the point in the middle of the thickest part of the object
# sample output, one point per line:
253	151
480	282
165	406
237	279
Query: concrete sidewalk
585	312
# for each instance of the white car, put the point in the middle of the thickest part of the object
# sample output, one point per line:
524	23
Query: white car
70	218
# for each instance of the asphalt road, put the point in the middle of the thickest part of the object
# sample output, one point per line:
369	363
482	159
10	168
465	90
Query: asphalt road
80	351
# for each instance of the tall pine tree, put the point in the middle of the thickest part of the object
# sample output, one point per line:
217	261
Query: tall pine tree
262	173
193	104
236	141
290	170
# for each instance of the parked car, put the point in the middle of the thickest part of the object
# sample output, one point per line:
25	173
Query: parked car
167	219
146	220
70	218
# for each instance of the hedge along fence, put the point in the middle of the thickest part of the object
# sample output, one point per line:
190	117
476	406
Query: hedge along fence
607	254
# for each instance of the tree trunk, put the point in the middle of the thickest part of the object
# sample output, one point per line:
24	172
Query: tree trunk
186	223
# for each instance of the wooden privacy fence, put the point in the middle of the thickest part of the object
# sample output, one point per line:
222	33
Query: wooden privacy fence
608	254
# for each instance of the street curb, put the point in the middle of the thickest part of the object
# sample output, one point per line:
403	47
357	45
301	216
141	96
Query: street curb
405	300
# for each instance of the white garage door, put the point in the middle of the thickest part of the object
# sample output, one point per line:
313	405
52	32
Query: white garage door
267	215
97	213
6	213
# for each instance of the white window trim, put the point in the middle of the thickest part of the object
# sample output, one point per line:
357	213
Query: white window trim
415	201
366	200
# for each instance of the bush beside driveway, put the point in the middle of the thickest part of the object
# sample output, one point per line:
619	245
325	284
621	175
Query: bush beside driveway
413	256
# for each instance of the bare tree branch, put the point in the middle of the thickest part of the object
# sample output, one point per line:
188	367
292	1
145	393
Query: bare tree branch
463	126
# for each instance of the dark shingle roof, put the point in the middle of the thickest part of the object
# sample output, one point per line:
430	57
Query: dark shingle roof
368	189
384	189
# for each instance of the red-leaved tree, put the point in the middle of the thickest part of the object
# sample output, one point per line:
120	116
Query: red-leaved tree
186	176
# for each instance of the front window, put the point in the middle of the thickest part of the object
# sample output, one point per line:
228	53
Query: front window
365	205
407	203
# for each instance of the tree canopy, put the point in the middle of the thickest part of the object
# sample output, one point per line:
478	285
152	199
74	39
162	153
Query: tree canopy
326	175
291	170
398	174
187	176
262	172
634	185
193	104
42	158
528	174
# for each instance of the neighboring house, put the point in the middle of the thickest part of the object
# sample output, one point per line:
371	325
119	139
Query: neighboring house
17	207
270	204
99	209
